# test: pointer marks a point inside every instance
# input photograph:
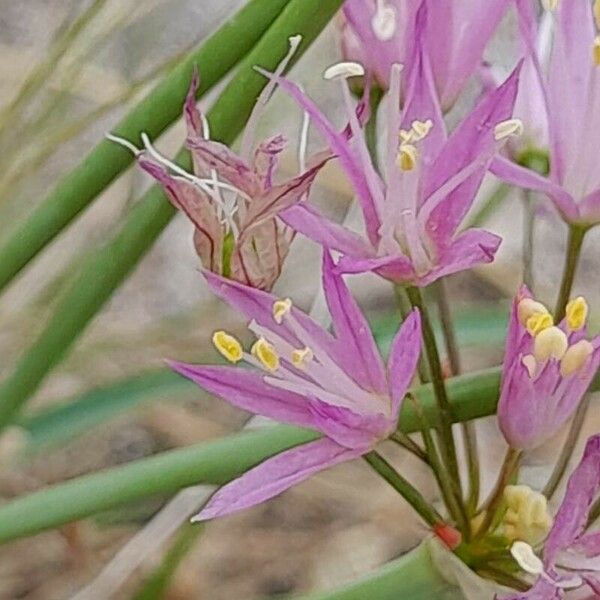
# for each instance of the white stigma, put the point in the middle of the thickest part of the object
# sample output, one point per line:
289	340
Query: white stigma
344	69
123	142
384	21
524	555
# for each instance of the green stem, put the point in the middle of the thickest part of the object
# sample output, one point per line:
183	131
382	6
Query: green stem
404	488
528	232
468	430
567	449
214	58
371	126
406	442
106	269
445	412
494	502
574	244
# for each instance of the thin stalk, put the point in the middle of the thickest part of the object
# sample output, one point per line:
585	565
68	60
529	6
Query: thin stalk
107	268
161	107
439	386
468	430
494	502
574	243
406	442
567	449
403	487
455	509
528	231
376	95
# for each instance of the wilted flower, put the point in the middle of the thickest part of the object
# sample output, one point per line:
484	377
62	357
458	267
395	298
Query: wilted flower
571	556
572	102
303	375
412	217
547	370
233	200
381	33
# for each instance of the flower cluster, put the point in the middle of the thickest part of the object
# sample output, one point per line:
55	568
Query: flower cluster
414	189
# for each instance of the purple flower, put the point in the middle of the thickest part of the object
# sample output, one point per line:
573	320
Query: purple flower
571	93
412	216
336	384
547	370
571	556
381	33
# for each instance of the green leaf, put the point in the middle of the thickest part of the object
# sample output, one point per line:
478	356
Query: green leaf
215	57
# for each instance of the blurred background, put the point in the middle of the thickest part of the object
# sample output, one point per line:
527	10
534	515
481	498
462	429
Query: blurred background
69	69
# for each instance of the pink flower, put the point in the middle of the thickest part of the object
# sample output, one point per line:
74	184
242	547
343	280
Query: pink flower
303	375
381	33
547	370
571	556
571	91
413	214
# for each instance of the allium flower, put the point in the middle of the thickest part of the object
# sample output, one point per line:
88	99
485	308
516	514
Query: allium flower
412	217
233	200
572	94
380	33
547	370
571	556
303	375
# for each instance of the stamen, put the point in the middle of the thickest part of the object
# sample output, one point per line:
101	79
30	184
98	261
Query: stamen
530	364
406	136
266	354
576	313
228	346
527	518
528	307
575	357
407	157
550	343
344	70
421	129
123	142
596	51
510	127
280	309
301	358
524	555
384	21
538	322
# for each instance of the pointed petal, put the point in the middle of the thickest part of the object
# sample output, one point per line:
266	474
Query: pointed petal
404	356
306	219
274	476
353	334
341	148
472	141
193	120
197	206
246	389
572	515
266	156
510	172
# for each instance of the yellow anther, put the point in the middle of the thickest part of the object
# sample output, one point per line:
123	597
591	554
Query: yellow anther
421	128
280	309
527	518
406	136
529	307
301	358
228	346
530	364
575	357
576	313
407	157
508	128
265	353
596	51
550	343
538	322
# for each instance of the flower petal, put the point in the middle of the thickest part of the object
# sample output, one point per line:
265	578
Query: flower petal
404	356
572	515
274	476
355	341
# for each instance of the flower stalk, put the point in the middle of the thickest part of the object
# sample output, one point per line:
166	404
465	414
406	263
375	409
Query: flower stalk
574	244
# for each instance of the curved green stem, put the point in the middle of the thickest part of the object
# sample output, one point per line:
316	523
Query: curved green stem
403	487
574	244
